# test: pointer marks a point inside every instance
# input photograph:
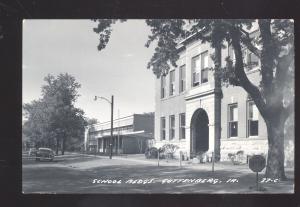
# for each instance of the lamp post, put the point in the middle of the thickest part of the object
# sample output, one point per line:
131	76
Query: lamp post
112	121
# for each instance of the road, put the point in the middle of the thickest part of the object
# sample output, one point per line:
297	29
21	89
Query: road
75	173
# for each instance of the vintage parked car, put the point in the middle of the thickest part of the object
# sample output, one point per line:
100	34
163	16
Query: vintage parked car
44	154
32	152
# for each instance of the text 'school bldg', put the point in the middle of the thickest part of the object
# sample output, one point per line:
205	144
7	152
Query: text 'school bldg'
130	134
194	114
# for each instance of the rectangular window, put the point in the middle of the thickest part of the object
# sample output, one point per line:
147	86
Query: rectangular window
233	121
182	78
252	115
251	61
204	67
195	71
172	127
182	126
163	128
163	86
172	82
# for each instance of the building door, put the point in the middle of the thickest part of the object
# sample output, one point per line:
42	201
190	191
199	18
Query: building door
199	132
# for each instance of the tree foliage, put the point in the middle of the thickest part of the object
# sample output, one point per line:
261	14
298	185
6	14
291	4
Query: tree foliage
53	120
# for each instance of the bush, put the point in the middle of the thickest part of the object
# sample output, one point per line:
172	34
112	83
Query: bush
169	150
236	158
202	156
151	153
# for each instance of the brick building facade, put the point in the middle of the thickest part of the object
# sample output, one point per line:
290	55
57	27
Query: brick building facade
194	113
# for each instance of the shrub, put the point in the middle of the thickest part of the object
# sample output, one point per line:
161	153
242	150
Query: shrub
169	150
202	156
236	158
151	153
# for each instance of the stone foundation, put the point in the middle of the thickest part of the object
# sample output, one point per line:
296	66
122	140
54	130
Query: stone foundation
247	145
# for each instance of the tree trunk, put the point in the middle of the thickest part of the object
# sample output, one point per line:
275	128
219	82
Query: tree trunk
63	146
57	145
275	159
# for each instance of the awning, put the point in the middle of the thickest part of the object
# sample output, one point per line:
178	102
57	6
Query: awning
131	134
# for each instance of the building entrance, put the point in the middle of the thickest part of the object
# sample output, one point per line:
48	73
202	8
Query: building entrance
199	132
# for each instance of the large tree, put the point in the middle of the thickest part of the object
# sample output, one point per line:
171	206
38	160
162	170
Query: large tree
54	120
274	46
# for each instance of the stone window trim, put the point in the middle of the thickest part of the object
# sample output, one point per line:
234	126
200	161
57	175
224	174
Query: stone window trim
232	120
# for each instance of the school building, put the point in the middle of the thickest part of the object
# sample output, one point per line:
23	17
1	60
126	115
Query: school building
195	113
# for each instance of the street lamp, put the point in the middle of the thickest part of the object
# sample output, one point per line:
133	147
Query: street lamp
112	120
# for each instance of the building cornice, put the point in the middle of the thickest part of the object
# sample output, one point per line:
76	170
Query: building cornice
205	93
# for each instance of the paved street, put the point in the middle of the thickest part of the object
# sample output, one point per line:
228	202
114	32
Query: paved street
75	173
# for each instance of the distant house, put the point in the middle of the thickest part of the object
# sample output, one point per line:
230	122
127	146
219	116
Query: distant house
131	134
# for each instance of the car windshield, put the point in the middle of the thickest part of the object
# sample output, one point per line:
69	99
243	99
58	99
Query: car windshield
45	150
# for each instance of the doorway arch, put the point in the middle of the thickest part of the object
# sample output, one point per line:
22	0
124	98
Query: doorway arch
199	132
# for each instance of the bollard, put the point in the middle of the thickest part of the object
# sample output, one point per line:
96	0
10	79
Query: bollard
158	158
213	161
180	158
257	181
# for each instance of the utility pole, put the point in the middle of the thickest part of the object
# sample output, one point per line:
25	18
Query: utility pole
111	126
118	142
112	121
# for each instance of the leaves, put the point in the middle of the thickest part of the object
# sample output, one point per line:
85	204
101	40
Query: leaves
54	116
104	30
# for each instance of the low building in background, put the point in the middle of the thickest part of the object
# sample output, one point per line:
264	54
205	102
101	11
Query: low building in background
131	135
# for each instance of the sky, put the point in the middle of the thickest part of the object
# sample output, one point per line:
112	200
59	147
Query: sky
70	46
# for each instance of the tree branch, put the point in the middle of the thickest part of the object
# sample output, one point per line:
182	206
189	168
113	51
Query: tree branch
247	41
241	75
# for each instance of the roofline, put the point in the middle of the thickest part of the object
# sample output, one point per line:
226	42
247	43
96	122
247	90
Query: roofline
124	117
123	134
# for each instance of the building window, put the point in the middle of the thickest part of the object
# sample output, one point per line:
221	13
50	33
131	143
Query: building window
233	121
252	124
163	128
163	86
172	82
172	127
182	79
204	67
249	59
195	70
182	126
